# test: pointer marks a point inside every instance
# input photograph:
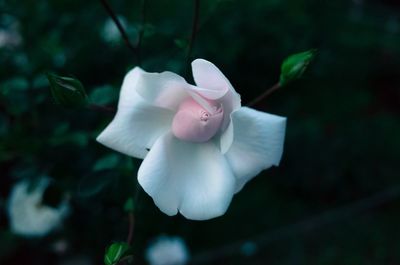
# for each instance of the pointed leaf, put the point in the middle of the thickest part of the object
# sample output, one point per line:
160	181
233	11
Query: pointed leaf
116	252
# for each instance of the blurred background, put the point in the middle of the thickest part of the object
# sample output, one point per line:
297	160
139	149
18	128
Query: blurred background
335	197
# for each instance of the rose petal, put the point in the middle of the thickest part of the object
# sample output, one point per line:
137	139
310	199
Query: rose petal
226	138
128	95
210	94
194	124
207	75
165	90
230	102
257	144
137	124
194	179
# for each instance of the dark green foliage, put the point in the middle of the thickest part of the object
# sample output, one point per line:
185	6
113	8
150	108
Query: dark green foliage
129	205
342	141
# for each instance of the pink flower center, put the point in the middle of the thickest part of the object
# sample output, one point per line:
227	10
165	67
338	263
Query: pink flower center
194	123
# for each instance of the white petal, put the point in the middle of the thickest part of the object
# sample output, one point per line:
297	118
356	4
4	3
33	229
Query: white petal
226	138
194	179
208	76
258	139
137	124
165	90
212	94
128	95
231	102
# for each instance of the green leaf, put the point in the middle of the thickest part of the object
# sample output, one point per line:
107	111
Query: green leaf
181	43
67	91
13	85
148	30
104	95
294	66
116	252
107	162
11	244
95	183
14	95
129	205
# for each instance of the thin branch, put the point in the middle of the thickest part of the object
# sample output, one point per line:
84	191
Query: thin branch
131	227
264	95
195	28
131	215
137	195
101	108
326	218
138	47
121	29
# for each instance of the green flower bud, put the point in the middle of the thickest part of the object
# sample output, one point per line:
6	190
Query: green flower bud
67	91
294	66
115	252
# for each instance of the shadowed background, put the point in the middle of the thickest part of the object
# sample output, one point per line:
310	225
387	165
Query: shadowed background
342	143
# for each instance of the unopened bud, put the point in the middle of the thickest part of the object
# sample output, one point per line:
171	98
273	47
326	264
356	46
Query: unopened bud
67	91
294	66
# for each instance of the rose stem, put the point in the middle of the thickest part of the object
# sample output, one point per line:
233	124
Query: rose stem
264	95
195	27
131	215
101	108
141	31
121	29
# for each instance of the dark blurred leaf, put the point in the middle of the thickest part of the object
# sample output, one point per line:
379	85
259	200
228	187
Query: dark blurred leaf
14	84
107	162
129	205
104	95
4	124
181	43
63	135
95	183
10	246
15	92
148	30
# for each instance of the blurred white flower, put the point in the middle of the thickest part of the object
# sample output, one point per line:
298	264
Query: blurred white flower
167	251
110	32
199	145
28	216
9	35
249	248
60	246
9	38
